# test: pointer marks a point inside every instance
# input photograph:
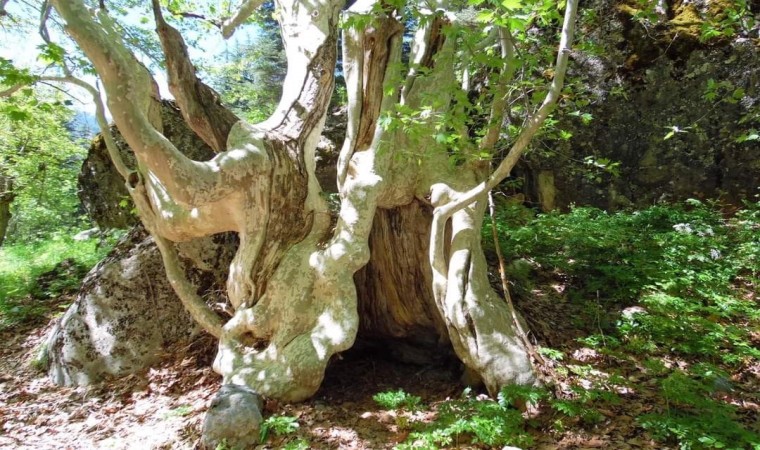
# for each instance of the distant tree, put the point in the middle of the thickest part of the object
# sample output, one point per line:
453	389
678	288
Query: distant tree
39	162
251	75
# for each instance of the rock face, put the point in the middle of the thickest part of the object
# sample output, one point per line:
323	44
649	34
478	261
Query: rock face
645	80
126	311
233	419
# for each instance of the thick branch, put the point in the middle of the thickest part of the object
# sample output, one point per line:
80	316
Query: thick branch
186	292
243	13
460	286
506	43
447	202
367	58
200	105
132	102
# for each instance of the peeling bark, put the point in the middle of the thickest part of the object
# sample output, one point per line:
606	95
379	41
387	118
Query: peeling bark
395	296
293	281
199	104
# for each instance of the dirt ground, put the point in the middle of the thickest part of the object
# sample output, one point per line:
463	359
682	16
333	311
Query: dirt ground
164	407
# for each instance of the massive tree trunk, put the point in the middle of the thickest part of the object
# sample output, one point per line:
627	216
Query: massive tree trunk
404	207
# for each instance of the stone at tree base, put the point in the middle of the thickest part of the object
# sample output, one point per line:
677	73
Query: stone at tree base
234	418
126	312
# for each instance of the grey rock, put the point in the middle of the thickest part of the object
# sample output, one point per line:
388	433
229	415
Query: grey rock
234	418
639	87
126	312
86	234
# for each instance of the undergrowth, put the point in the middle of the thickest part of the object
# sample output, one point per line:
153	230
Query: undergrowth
671	293
33	273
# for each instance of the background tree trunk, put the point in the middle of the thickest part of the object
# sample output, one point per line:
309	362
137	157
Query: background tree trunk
6	198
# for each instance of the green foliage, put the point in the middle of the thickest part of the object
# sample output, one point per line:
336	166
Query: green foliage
690	273
10	75
250	77
694	419
728	21
470	420
551	353
584	403
397	400
298	444
22	264
38	153
279	426
717	92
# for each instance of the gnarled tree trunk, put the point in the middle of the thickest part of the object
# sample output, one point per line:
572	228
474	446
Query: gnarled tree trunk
404	207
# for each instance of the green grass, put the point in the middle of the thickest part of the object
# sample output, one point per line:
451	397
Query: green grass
22	298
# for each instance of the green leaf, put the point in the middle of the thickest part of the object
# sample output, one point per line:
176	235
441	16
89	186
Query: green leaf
485	16
512	4
51	53
11	76
752	135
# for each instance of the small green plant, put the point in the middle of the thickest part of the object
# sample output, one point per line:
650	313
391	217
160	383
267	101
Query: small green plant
180	411
298	444
551	353
397	400
279	426
728	22
470	420
694	419
683	279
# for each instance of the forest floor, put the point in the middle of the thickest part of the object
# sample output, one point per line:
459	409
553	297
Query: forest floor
164	407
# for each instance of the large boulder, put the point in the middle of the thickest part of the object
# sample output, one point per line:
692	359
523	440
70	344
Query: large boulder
127	312
668	103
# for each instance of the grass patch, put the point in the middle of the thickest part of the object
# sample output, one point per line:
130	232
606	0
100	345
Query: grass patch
31	273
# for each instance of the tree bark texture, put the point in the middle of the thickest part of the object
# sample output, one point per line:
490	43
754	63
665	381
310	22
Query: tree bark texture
6	198
293	282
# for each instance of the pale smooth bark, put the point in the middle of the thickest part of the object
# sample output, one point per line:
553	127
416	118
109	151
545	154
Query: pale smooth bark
481	326
291	282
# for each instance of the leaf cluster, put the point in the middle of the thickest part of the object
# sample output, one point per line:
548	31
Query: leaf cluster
40	155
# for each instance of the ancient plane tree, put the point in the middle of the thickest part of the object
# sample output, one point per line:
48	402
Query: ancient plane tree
403	259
